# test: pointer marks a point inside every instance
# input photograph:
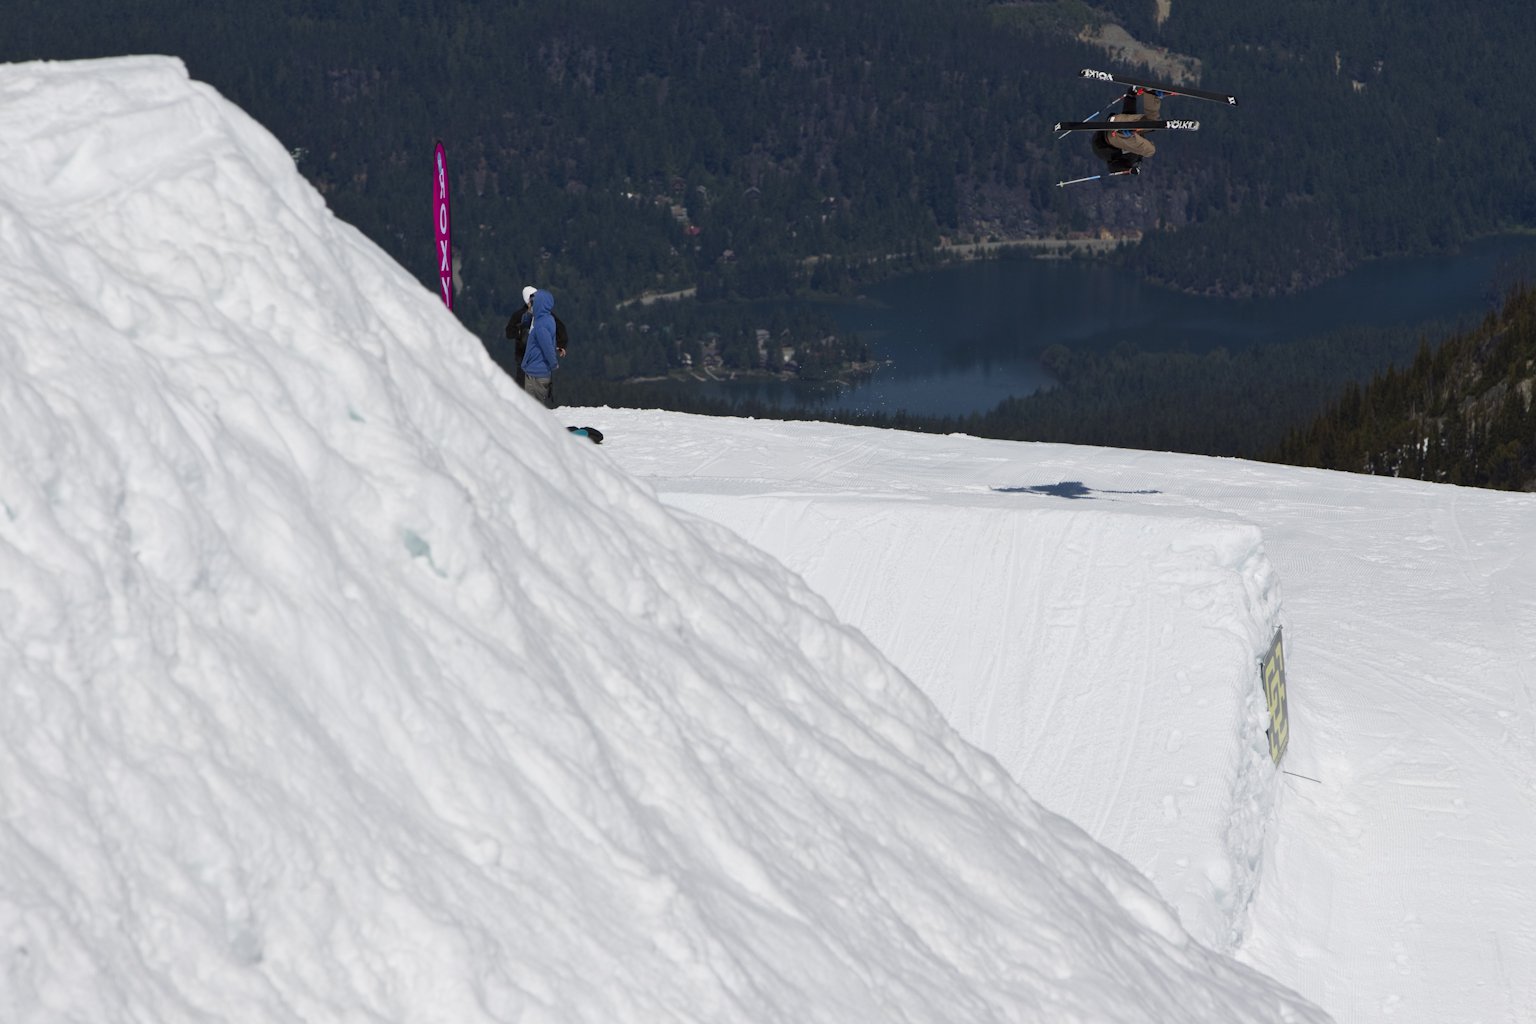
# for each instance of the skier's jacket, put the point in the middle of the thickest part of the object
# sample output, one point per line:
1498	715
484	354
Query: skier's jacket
539	360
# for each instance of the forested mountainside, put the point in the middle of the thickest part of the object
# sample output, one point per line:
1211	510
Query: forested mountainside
622	146
1461	413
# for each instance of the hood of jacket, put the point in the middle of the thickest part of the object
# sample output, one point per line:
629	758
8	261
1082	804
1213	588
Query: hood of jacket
543	302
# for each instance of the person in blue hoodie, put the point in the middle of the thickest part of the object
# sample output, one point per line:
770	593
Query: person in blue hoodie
540	360
517	333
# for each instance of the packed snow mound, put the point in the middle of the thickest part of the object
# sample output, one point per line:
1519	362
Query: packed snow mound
339	682
1095	616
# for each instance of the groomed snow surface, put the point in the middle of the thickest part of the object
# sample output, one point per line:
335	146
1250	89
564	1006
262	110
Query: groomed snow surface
1091	618
339	683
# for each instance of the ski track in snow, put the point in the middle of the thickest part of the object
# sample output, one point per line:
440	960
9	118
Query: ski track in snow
1408	785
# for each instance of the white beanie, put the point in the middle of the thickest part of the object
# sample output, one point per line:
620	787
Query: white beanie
528	295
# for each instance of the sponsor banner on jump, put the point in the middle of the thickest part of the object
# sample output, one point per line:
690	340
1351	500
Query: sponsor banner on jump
1272	673
441	223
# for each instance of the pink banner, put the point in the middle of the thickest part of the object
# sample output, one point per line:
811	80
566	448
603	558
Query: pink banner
440	219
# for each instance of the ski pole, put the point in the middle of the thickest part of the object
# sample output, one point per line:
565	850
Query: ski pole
1091	177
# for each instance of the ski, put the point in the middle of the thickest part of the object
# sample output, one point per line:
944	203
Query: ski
1135	126
1172	90
1095	116
1094	177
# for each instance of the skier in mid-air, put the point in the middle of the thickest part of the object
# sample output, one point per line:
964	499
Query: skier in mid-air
1122	148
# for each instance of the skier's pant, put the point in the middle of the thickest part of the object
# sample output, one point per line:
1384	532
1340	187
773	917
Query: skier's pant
541	388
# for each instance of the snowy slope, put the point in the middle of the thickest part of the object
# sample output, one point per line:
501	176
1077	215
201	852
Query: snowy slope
1098	616
337	682
1089	616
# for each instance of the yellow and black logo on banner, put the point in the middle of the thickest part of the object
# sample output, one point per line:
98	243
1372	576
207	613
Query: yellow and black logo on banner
1272	671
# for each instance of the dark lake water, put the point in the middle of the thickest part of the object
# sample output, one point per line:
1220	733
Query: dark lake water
964	338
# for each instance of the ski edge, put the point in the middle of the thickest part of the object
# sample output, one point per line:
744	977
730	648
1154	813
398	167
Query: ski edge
1172	90
1097	115
1135	126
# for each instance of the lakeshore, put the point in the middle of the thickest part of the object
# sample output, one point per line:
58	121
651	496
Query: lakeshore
1040	248
1070	247
960	338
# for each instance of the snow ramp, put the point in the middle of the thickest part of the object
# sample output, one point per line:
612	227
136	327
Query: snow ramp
1101	646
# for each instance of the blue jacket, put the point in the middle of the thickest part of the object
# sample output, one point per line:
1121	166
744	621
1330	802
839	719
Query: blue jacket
539	360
